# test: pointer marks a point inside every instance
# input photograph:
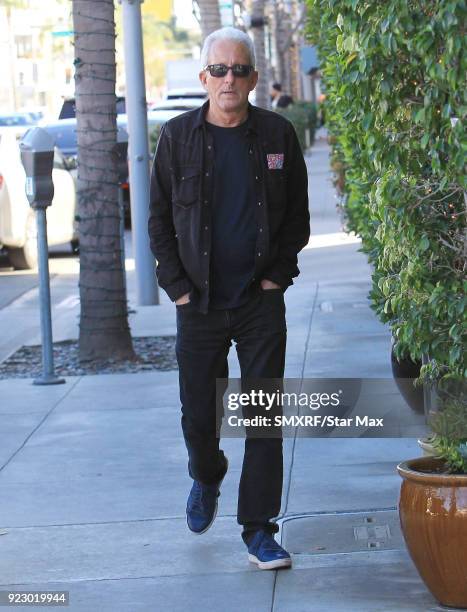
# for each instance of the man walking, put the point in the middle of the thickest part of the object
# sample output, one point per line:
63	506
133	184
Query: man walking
228	216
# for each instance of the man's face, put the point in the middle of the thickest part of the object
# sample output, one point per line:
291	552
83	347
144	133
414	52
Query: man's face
229	94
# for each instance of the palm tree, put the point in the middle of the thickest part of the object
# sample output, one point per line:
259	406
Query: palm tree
287	28
262	88
210	16
104	330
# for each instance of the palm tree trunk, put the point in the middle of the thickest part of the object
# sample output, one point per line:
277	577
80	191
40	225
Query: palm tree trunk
210	16
283	28
262	88
104	330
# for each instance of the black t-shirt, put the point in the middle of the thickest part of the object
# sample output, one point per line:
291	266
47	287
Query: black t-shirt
234	226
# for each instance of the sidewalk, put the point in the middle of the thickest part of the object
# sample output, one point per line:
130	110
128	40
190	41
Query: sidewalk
93	480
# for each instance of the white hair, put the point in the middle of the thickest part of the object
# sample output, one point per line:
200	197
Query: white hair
233	34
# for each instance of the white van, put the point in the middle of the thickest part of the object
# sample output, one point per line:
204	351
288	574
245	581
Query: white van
17	220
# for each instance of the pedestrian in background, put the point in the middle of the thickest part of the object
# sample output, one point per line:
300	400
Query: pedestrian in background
279	99
228	216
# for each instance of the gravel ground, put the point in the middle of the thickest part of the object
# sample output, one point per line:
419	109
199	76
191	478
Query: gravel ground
152	353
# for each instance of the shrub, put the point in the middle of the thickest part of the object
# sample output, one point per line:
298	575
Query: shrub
154	134
449	425
303	116
395	77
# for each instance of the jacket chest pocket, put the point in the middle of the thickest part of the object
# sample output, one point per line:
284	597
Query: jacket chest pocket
185	186
275	186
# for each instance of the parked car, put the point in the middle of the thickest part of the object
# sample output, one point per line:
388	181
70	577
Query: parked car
15	120
179	104
68	110
37	113
64	134
17	124
184	93
63	131
18	233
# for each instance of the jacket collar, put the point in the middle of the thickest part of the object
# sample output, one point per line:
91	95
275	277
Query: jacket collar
252	121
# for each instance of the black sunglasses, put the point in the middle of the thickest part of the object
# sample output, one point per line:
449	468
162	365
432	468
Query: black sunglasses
238	70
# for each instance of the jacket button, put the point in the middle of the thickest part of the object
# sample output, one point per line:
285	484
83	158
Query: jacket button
205	227
260	229
257	178
259	254
205	253
259	203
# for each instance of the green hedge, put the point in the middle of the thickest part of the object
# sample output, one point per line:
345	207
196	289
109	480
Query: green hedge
303	116
395	77
154	133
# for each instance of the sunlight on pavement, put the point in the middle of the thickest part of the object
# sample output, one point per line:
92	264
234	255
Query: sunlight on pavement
68	264
331	240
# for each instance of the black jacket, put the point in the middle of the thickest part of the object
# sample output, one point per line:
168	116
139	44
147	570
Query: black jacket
181	200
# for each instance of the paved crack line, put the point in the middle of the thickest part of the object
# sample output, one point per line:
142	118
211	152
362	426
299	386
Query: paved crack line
286	503
40	424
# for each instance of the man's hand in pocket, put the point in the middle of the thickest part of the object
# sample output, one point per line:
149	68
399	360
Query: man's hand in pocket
183	300
267	284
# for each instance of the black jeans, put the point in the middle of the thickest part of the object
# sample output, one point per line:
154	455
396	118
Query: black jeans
203	341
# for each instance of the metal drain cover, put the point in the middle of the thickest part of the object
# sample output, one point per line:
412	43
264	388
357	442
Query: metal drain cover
337	533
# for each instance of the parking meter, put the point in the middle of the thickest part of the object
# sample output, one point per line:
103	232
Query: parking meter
37	157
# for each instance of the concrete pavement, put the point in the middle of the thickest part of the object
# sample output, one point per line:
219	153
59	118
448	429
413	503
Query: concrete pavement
93	479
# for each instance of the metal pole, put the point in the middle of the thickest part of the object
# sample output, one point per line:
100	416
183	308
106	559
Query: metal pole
138	146
48	376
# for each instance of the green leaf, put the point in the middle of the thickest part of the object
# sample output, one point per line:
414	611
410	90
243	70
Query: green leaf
455	353
420	116
385	87
446	113
383	105
367	121
424	244
424	140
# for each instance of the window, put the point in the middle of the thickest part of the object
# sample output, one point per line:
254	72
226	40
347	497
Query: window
23	46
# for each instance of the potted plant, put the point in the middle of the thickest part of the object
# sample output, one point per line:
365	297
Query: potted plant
433	506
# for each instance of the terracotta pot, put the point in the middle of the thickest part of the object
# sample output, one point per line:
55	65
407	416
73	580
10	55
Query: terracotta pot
433	517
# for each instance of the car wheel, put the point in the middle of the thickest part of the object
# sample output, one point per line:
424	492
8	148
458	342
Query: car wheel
25	257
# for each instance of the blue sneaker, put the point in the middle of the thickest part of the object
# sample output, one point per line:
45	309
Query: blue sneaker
267	553
201	507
